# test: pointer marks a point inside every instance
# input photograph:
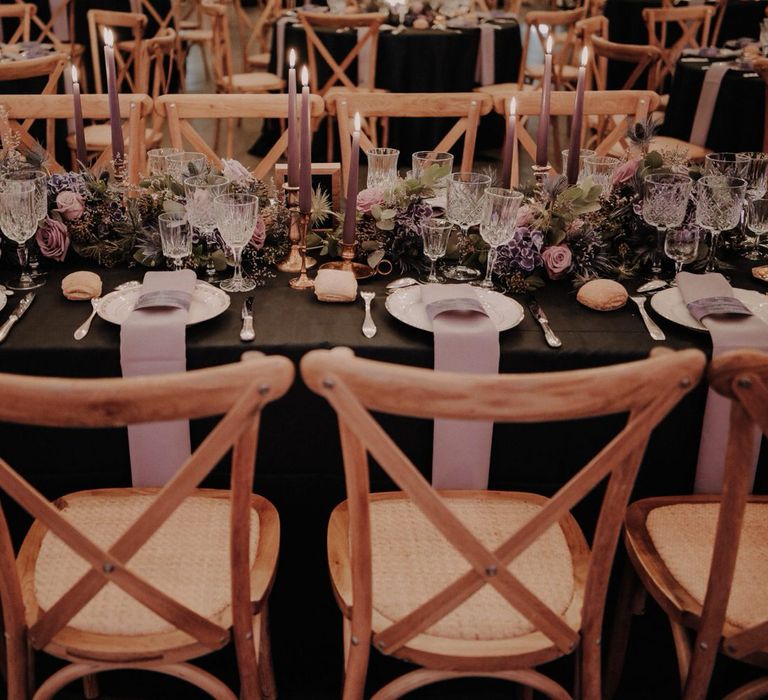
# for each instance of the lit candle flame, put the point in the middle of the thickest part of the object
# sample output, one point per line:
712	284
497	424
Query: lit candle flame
305	76
109	38
513	107
75	76
292	59
357	121
584	56
549	44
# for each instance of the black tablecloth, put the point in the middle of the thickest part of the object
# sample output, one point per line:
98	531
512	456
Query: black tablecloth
737	122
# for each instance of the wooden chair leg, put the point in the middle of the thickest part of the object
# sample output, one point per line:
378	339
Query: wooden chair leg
356	664
229	148
91	687
266	671
682	649
751	691
329	136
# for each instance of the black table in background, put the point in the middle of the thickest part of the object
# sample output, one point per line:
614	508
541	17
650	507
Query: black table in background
737	122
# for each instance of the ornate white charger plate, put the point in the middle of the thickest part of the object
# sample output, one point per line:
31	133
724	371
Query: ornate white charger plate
207	303
670	305
406	306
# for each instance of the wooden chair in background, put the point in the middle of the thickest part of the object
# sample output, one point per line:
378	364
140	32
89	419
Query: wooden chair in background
23	12
703	557
586	30
179	109
467	108
182	595
23	110
191	31
472	606
127	51
257	45
614	110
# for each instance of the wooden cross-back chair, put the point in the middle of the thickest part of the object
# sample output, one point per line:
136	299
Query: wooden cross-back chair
23	12
719	7
257	45
700	556
694	23
614	112
644	57
23	110
190	31
429	616
178	110
586	30
84	541
127	51
466	108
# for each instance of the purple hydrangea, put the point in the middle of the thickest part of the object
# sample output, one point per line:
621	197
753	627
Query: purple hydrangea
523	252
63	182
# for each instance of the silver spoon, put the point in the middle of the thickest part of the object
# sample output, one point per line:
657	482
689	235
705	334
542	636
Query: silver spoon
652	286
401	283
82	331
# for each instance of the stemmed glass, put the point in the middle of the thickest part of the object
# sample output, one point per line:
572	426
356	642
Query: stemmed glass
719	201
185	164
583	155
497	225
463	208
200	192
682	246
39	178
175	237
726	163
756	175
757	222
236	215
18	221
665	201
435	234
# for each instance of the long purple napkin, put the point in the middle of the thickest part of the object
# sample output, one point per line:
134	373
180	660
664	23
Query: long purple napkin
466	340
485	70
707	100
732	330
153	341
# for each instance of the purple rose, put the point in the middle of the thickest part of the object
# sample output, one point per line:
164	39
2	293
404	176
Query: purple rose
259	234
70	205
557	261
53	239
625	172
367	199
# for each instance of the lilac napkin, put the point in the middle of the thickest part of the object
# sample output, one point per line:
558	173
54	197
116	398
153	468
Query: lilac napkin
466	340
707	100
153	341
730	331
485	70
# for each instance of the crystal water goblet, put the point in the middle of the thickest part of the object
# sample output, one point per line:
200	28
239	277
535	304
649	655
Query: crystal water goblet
186	164
601	169
439	164
200	191
435	233
18	222
719	201
665	201
463	208
757	223
382	168
497	225
682	246
726	163
583	155
157	160
756	174
236	215
175	237
39	178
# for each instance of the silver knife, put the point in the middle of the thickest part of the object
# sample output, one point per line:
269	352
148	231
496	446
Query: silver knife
18	312
247	333
552	340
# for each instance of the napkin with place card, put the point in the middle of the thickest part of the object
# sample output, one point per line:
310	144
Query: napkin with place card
466	340
710	300
153	341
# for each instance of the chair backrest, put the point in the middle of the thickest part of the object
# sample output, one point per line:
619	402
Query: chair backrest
237	391
157	63
561	24
160	22
127	57
644	57
616	111
694	23
586	30
23	12
467	108
645	390
368	39
23	110
46	29
259	38
719	7
221	49
179	109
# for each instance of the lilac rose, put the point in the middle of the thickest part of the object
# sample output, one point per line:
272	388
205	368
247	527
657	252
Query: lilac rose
367	199
70	205
557	261
259	234
236	172
625	172
53	239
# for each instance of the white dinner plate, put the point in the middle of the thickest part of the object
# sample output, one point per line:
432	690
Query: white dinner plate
207	302
669	304
406	306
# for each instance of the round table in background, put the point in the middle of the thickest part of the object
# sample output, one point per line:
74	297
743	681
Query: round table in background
737	122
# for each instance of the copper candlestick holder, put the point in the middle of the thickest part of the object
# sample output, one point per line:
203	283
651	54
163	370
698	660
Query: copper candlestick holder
303	221
293	261
540	174
360	270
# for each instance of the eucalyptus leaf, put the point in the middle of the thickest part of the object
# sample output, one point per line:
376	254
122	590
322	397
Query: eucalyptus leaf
376	257
385	224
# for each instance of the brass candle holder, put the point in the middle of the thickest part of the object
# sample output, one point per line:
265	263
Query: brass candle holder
347	263
540	174
302	222
293	261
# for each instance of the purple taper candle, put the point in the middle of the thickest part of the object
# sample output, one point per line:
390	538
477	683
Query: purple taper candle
78	116
350	213
293	144
574	150
305	171
118	148
509	144
546	87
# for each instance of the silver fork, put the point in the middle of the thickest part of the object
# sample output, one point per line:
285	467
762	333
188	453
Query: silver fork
369	327
650	324
82	330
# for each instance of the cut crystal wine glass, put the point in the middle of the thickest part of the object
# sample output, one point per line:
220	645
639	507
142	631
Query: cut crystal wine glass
665	201
236	216
464	203
497	225
719	201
